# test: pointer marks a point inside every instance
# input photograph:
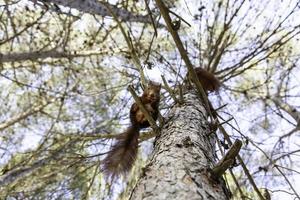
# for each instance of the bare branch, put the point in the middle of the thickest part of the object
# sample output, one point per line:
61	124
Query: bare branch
23	115
100	8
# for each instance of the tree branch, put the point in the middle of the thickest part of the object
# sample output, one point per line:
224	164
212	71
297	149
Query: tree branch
23	115
35	55
100	8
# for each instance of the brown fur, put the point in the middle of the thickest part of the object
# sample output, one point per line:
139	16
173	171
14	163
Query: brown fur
150	99
208	80
122	155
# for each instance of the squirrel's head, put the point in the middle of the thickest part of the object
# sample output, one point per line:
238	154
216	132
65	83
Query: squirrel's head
152	92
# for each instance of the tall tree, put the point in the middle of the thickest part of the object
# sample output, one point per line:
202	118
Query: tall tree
184	152
64	70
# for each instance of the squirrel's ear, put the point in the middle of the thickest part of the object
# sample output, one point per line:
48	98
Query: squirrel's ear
154	83
159	85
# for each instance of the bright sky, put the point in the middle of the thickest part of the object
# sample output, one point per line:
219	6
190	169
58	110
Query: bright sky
31	139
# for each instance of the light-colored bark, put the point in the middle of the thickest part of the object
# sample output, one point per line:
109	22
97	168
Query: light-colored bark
35	55
182	154
100	8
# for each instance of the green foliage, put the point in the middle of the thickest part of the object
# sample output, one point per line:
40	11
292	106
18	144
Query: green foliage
64	74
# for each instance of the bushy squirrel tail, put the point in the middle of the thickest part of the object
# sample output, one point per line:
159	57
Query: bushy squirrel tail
123	153
208	80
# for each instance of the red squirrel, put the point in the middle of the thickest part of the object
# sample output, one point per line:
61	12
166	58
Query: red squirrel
123	153
208	80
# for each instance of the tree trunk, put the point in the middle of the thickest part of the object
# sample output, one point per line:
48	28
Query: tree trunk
183	153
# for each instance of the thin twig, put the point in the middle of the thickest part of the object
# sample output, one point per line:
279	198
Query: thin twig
165	13
167	87
136	59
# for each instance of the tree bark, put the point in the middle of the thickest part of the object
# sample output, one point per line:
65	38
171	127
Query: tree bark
100	8
183	154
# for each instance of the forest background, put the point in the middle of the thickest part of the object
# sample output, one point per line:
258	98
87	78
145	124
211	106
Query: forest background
65	67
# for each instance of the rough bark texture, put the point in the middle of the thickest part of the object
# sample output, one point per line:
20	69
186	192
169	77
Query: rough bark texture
183	152
99	8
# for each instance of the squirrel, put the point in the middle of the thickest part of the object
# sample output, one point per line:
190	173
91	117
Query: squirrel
123	153
208	80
